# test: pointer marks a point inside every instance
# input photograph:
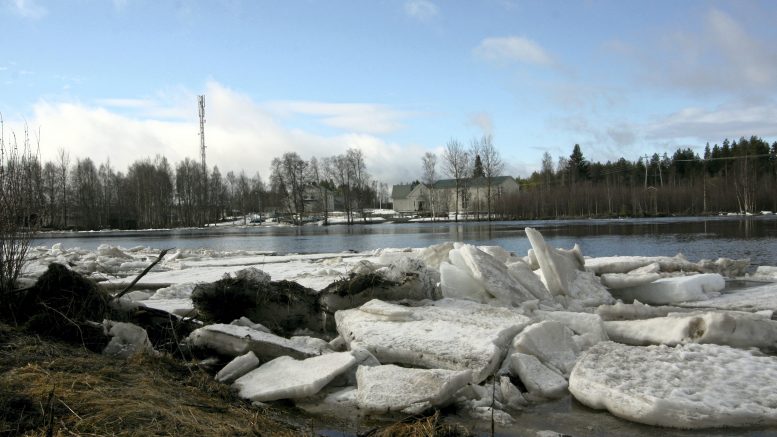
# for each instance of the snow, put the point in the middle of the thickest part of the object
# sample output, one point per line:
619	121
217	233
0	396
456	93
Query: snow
237	368
551	342
539	379
446	334
688	386
392	388
675	289
287	378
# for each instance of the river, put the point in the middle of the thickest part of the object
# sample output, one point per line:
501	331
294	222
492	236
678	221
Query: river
697	238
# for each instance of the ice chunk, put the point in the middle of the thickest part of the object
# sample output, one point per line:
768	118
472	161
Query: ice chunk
522	272
559	268
539	379
458	284
393	388
579	323
616	281
287	378
127	339
636	310
625	264
759	298
235	340
493	275
766	272
732	329
551	342
674	290
177	291
245	321
510	395
588	291
238	367
689	386
446	334
434	255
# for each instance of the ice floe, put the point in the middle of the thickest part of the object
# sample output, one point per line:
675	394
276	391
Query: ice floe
687	386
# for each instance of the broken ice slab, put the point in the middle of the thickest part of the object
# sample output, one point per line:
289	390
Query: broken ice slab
538	378
559	268
411	391
237	368
688	386
761	298
233	340
674	290
445	334
287	378
551	342
724	328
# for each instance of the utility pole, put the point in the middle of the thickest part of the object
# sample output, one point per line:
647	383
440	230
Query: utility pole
201	105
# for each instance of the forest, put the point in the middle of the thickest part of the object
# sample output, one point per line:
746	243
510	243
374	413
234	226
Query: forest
737	176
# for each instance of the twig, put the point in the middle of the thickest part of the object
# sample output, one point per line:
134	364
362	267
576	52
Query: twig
50	425
142	274
68	407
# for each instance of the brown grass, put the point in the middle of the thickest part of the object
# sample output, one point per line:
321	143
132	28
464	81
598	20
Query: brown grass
49	388
429	426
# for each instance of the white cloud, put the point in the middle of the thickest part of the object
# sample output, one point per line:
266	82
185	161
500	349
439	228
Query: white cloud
421	10
28	9
725	121
358	117
240	134
723	57
483	121
513	49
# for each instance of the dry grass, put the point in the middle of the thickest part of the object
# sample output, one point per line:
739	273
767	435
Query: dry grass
429	426
49	388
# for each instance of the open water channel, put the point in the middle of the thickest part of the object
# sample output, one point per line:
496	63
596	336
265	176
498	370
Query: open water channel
695	237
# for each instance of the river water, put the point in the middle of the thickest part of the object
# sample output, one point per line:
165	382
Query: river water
696	238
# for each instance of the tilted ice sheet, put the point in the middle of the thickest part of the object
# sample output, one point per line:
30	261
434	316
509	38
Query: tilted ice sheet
725	328
393	388
445	334
689	386
761	298
287	378
674	290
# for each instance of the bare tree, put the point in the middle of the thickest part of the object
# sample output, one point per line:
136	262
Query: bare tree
493	166
456	163
317	178
430	178
19	206
64	166
288	175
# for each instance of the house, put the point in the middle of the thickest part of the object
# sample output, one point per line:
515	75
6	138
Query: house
406	197
473	195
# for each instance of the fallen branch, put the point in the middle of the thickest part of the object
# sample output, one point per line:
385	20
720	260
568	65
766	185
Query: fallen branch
142	274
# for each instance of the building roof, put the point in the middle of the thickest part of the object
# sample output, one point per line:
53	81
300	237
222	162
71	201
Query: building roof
401	191
477	182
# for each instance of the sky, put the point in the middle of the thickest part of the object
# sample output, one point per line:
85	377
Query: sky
118	80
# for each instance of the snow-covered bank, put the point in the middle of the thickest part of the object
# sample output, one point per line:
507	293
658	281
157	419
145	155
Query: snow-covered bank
479	328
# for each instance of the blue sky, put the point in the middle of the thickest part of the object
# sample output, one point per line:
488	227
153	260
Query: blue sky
118	79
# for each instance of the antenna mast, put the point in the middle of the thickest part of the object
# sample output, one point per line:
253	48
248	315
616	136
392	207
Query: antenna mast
201	104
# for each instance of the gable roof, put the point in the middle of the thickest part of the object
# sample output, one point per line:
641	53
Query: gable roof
401	191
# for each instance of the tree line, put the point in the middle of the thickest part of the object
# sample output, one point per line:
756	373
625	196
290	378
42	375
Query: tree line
153	193
737	176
